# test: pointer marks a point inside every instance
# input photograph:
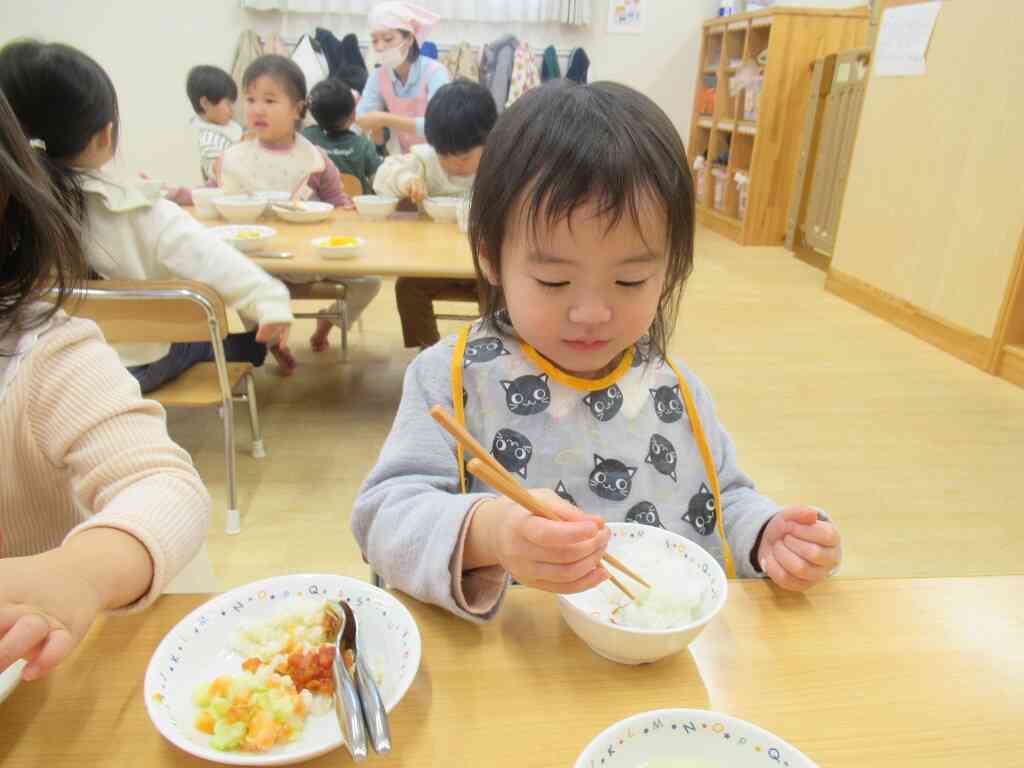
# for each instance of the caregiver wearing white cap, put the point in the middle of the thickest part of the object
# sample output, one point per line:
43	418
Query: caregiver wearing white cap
405	81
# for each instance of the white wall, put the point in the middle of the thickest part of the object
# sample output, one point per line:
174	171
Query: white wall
148	48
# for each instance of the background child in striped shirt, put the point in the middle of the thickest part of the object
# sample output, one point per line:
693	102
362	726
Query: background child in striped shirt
213	95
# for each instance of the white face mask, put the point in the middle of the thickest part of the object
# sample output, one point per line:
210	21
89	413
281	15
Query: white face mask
393	57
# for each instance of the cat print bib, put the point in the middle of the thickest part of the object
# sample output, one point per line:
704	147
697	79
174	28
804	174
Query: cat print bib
628	447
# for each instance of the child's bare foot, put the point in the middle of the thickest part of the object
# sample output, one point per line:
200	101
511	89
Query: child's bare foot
319	341
285	359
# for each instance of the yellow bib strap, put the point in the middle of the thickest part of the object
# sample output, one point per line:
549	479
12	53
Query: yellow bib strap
709	467
457	389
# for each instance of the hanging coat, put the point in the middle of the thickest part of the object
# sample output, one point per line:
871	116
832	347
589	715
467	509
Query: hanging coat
462	62
579	65
550	69
249	48
525	74
496	68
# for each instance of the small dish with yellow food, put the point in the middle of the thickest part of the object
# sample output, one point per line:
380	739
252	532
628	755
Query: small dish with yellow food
244	237
339	246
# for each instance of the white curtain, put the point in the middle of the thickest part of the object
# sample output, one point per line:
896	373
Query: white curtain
574	12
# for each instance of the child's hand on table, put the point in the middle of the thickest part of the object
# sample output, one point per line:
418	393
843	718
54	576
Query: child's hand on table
45	610
563	557
798	549
48	601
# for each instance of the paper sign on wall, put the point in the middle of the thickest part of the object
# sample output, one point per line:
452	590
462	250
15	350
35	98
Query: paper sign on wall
626	16
903	39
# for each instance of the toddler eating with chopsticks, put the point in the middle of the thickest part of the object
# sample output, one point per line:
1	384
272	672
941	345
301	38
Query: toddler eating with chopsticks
583	241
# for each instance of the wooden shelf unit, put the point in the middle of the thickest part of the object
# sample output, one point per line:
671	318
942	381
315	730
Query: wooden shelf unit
767	148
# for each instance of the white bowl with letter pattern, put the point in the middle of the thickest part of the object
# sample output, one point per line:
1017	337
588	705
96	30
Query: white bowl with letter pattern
696	738
592	614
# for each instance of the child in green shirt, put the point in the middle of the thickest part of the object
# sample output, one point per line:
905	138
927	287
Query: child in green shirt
333	105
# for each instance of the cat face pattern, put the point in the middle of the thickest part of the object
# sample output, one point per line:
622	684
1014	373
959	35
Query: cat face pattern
644	513
611	479
661	455
667	403
702	512
483	351
563	492
512	450
604	403
527	395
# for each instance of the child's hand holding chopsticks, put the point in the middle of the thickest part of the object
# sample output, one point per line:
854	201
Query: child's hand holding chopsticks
556	556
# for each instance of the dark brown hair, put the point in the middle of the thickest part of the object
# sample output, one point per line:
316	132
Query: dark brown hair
62	98
282	71
332	103
209	81
563	146
40	246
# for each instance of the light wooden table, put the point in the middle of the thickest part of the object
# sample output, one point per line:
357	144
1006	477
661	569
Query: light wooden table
865	674
404	245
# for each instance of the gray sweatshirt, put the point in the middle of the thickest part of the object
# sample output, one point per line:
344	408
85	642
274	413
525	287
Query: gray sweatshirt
410	516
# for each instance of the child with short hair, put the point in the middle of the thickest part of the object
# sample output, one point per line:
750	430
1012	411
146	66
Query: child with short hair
457	123
127	234
334	108
583	241
213	94
99	509
279	158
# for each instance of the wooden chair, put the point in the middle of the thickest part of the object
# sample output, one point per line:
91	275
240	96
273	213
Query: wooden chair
148	311
352	186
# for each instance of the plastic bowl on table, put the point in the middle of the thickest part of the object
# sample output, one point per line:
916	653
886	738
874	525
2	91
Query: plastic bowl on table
593	614
240	208
375	206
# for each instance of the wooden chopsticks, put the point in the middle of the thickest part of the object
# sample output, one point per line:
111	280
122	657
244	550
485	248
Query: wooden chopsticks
485	467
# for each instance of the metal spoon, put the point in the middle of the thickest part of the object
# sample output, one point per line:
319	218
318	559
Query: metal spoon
270	254
346	699
373	705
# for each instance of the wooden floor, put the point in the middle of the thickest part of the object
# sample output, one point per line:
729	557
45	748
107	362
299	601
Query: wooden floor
916	455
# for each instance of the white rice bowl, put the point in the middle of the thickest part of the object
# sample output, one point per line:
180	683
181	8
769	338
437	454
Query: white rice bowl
690	588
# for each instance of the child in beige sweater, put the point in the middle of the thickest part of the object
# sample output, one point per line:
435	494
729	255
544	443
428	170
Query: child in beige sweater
99	509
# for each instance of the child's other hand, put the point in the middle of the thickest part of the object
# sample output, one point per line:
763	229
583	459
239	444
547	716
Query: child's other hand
563	557
798	549
45	610
179	195
415	189
275	336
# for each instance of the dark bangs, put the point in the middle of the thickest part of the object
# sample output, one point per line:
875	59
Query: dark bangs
564	146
